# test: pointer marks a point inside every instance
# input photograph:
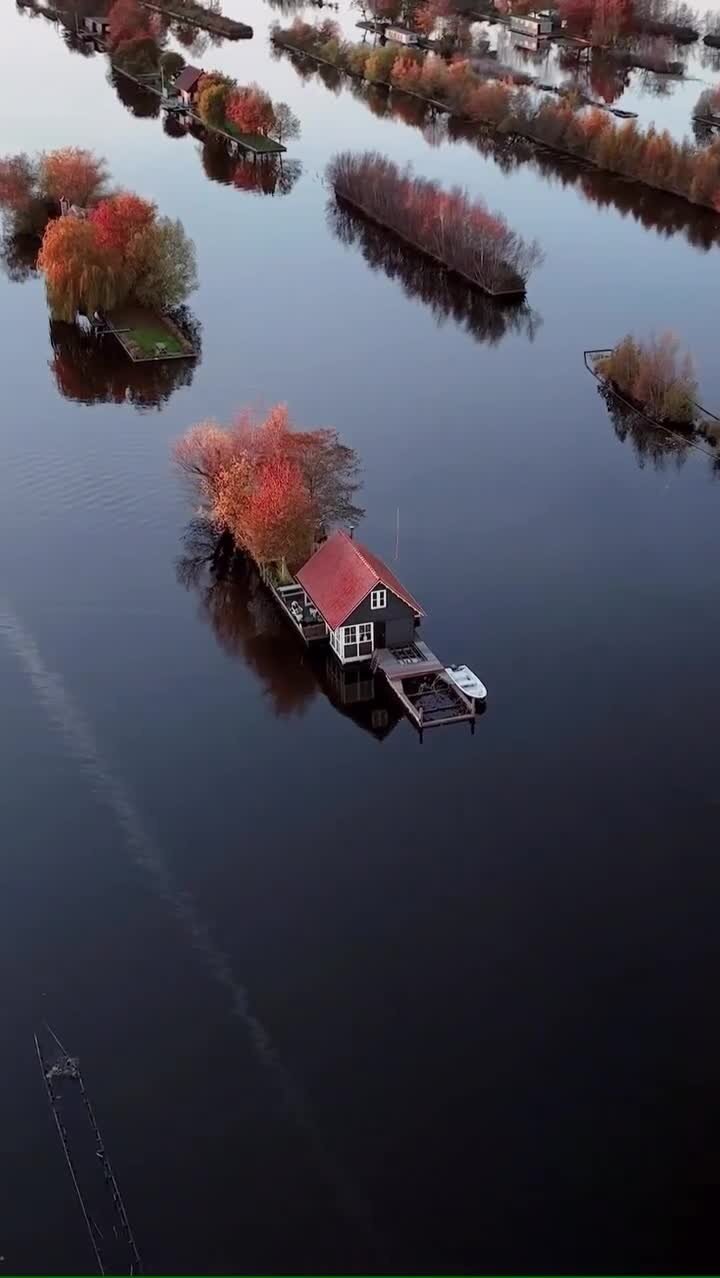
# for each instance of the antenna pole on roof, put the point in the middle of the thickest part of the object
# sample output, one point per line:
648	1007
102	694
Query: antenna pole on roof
397	535
351	530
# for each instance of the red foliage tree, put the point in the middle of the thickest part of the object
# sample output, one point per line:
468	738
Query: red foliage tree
127	20
272	487
278	522
250	109
120	218
428	13
73	174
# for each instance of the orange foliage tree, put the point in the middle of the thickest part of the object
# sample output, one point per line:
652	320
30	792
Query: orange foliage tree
72	174
272	487
79	273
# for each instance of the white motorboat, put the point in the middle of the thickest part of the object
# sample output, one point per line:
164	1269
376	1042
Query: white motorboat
468	683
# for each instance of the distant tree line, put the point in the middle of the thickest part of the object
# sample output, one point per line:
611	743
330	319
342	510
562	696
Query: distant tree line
590	134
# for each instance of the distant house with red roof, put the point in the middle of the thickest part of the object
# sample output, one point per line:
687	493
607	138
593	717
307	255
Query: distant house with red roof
359	599
186	84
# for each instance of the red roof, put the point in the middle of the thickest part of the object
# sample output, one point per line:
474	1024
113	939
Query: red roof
188	78
342	573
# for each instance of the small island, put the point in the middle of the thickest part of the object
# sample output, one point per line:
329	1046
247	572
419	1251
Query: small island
278	496
106	256
654	380
451	229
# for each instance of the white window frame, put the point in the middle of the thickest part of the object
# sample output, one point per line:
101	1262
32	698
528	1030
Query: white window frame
378	598
352	637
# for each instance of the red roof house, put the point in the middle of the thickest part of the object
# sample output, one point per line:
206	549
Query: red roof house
187	82
361	601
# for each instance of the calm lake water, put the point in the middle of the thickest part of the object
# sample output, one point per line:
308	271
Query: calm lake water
345	1002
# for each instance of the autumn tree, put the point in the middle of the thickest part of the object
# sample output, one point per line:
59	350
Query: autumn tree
429	12
273	488
127	20
121	250
213	90
251	110
79	274
72	174
655	375
119	219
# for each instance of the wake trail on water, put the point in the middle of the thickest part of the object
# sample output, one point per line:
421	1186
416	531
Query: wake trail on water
75	731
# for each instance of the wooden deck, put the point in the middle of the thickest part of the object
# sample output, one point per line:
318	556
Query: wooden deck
293	602
417	677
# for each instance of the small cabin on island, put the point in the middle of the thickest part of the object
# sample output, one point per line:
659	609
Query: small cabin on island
186	85
347	595
360	601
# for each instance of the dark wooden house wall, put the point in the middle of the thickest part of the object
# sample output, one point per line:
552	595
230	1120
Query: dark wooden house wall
398	618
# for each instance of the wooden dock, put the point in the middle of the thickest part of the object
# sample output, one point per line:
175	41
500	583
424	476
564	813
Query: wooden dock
417	677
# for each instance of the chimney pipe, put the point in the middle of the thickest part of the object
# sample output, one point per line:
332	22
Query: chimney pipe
352	531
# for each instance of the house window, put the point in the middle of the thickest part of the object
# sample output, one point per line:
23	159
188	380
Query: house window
352	643
378	599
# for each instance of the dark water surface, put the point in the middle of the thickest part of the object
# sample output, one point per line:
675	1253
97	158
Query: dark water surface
341	1002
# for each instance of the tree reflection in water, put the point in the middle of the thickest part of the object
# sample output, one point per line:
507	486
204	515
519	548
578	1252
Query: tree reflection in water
18	256
662	448
655	210
271	176
194	41
140	102
447	295
248	626
96	370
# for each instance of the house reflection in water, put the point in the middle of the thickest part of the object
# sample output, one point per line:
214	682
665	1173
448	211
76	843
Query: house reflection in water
249	627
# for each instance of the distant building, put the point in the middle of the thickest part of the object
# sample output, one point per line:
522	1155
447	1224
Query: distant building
97	26
401	35
535	24
361	602
187	83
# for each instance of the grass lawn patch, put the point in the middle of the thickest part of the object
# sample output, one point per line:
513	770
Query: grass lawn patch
256	142
146	335
148	338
